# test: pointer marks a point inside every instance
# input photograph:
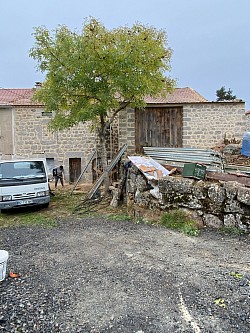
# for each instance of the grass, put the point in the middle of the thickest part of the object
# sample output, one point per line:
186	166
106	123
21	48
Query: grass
64	204
27	218
61	205
178	220
230	231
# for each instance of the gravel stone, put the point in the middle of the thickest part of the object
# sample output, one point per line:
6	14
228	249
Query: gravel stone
97	275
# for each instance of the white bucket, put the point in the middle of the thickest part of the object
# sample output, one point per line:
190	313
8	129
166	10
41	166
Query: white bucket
4	255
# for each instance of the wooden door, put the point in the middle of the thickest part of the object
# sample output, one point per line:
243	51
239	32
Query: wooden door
74	169
158	127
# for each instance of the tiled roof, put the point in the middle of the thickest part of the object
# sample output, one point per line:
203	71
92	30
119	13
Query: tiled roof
179	95
16	97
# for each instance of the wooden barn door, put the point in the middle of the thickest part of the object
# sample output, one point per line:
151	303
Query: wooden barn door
158	127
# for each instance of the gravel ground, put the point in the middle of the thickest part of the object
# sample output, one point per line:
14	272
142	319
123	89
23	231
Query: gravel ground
96	275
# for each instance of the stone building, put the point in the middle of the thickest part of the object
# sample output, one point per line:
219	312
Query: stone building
181	119
25	134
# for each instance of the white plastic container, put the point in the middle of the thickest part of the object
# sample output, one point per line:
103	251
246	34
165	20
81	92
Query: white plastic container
4	255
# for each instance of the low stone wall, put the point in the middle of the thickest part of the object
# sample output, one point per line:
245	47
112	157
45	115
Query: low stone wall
214	204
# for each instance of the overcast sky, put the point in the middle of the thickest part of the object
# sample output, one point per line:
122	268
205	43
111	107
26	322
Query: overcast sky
210	38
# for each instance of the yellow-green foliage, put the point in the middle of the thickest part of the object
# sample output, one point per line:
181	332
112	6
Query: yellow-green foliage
87	71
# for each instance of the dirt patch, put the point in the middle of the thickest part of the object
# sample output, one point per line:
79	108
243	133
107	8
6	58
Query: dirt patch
79	188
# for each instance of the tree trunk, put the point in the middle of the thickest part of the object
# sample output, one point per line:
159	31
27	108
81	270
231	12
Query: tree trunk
104	159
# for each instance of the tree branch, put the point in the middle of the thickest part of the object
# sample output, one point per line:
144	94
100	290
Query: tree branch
111	119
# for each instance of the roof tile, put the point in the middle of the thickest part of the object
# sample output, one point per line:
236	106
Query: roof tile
179	95
16	97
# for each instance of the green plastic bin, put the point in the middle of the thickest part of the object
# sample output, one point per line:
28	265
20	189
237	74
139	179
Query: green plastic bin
194	170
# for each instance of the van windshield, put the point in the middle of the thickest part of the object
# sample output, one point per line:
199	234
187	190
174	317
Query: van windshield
22	171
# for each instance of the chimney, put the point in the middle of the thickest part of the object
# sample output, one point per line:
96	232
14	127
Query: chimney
38	85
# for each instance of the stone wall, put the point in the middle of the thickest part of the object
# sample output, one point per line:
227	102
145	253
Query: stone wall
214	204
33	139
205	125
126	125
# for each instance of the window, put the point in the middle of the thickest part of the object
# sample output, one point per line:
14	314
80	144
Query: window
47	114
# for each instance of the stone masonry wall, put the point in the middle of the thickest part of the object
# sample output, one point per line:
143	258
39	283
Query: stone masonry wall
33	139
207	124
213	204
204	124
126	125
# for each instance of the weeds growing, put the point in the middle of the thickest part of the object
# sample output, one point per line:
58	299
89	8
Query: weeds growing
178	220
230	231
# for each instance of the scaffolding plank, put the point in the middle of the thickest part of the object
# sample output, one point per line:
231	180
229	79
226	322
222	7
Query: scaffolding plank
105	174
86	167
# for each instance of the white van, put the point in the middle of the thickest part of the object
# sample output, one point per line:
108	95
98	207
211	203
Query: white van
23	183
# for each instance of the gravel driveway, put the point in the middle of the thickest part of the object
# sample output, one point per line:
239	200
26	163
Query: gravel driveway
96	275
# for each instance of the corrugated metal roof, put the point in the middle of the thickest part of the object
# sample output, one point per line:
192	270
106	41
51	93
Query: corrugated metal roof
179	156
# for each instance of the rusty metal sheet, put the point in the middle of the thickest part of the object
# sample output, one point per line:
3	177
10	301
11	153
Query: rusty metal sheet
240	178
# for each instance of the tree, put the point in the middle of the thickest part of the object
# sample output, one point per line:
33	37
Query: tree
95	74
225	95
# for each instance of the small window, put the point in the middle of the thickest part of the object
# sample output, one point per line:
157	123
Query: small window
47	113
50	163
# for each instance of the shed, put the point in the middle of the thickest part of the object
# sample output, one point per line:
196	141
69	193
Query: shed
183	118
